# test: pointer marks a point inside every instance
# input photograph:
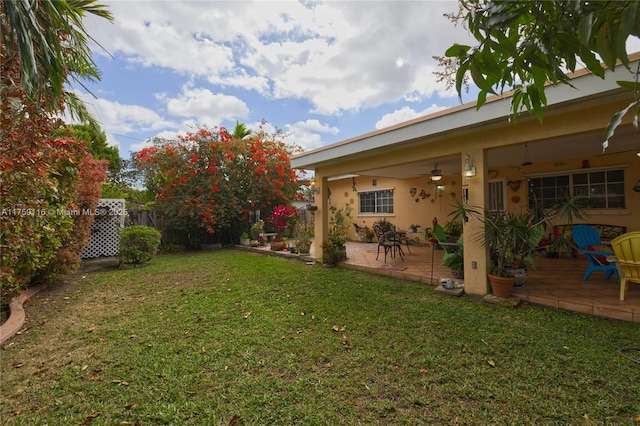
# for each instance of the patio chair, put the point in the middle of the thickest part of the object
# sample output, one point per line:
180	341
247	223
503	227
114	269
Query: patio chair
626	247
449	247
386	239
588	242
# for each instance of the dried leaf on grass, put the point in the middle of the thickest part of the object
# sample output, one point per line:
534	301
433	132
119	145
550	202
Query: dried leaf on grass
490	362
91	416
346	341
247	314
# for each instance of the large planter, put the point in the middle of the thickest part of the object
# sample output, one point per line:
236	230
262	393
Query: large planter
278	245
501	286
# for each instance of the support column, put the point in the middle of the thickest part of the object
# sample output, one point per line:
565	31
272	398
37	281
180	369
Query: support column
321	228
476	256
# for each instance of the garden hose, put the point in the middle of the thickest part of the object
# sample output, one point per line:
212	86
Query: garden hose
622	351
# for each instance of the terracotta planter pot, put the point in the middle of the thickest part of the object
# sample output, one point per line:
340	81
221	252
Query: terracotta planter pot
501	286
278	245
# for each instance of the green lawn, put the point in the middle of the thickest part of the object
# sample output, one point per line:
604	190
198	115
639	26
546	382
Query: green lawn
211	338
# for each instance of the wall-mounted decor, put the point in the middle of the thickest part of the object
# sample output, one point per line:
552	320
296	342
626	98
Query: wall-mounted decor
424	194
636	187
585	164
515	199
514	185
493	174
413	191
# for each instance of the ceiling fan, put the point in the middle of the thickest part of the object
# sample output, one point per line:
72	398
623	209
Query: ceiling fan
435	175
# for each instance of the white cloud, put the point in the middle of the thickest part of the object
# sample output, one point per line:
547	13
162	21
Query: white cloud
206	107
306	134
339	56
405	114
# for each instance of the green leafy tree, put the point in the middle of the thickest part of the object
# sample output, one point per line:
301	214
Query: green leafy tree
96	141
523	44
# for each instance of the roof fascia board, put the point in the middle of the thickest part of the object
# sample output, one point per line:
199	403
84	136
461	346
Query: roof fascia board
497	109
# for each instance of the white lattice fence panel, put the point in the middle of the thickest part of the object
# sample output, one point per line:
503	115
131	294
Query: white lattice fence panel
110	215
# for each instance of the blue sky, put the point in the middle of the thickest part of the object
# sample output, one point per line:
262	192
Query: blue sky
321	71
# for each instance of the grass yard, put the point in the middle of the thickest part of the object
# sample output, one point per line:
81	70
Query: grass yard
233	337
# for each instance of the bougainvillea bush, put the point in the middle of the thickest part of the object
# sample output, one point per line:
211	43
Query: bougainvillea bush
283	219
209	181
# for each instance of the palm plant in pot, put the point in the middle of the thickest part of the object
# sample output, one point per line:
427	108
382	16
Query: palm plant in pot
510	237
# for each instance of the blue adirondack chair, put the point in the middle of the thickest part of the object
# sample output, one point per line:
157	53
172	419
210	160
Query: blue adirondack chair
588	242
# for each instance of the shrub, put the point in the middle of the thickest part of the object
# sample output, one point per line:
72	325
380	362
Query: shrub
138	244
331	253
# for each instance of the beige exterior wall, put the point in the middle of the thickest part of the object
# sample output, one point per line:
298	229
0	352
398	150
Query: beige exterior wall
415	209
566	120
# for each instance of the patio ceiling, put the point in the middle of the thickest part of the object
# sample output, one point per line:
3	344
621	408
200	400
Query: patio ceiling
581	145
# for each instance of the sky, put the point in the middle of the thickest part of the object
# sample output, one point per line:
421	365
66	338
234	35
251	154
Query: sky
321	71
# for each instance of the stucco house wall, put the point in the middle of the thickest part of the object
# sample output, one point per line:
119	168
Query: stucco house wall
572	132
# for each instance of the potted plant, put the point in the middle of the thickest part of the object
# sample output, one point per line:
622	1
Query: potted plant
304	236
510	237
455	262
339	225
414	227
282	218
453	229
244	239
256	231
331	253
369	235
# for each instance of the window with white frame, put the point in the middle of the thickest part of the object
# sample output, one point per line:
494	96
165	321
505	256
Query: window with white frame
376	202
497	195
597	189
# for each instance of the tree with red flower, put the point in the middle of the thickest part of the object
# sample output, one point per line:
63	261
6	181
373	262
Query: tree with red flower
210	181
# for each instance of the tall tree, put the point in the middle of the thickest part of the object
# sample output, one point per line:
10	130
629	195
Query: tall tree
523	44
208	181
49	41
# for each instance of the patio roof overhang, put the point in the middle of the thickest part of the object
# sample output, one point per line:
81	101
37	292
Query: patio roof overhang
588	91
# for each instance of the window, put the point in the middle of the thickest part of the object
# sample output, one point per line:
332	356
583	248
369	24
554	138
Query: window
497	195
380	201
601	189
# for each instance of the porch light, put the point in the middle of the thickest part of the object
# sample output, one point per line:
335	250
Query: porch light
469	168
315	189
